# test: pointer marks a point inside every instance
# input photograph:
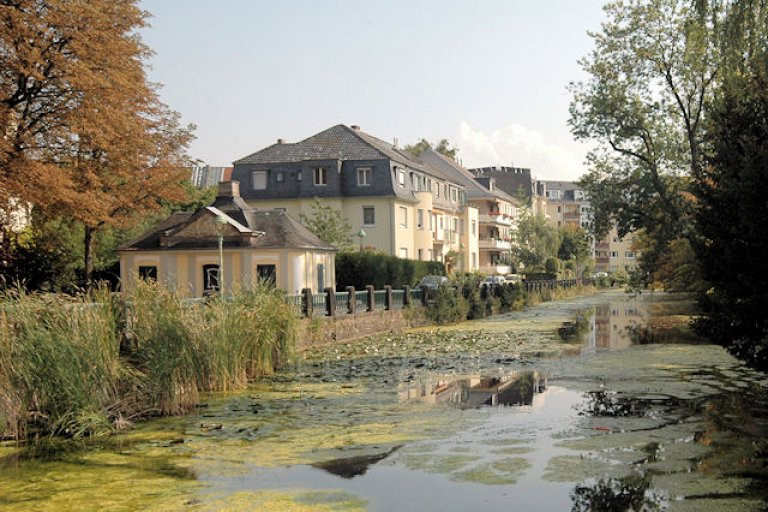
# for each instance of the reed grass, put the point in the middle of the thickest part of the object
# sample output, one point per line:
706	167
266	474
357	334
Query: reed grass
84	365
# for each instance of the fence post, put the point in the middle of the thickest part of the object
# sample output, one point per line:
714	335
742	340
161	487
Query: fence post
330	301
424	292
371	297
406	296
306	301
351	300
483	291
388	297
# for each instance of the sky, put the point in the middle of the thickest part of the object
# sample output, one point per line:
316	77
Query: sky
491	76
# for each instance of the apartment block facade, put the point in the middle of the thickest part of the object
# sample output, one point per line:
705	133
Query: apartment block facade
405	207
498	213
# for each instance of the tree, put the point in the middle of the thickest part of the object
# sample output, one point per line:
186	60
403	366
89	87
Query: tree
651	76
443	147
86	134
574	244
329	224
535	241
731	212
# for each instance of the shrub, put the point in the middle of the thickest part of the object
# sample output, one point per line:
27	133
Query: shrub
360	269
552	265
447	306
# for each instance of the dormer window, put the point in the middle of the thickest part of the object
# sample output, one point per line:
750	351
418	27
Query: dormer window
401	178
321	176
364	176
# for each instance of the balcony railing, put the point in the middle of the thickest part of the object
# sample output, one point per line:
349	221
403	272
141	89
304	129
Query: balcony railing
496	269
495	243
495	218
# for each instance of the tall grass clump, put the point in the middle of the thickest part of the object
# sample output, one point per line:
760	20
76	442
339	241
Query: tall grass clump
161	351
59	364
242	337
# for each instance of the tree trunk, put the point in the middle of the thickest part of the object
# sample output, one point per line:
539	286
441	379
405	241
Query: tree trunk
88	240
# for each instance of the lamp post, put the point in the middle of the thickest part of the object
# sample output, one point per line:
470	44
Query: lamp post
361	234
220	223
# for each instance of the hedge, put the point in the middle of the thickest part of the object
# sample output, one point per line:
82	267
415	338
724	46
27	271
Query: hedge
360	269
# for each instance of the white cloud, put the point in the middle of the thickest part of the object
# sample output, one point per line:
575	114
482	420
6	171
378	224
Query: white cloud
516	145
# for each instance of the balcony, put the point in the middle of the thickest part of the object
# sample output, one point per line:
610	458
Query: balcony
602	246
445	236
495	244
496	269
495	218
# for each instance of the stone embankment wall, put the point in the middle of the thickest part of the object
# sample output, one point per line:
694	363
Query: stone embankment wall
322	330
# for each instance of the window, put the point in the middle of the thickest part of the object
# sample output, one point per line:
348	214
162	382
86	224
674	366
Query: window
421	254
437	189
279	176
445	191
321	176
364	176
404	253
441	222
454	195
267	274
403	217
369	216
148	273
299	175
401	178
559	209
210	278
259	180
414	181
614	254
455	225
420	219
629	254
474	227
433	222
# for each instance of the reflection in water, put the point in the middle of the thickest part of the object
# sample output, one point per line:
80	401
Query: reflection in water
350	467
609	325
630	493
518	388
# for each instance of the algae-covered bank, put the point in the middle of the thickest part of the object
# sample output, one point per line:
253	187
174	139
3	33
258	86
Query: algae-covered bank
597	403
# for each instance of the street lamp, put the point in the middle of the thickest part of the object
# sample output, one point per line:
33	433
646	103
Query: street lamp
361	234
220	223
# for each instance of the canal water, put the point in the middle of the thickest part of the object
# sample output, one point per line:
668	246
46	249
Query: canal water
570	405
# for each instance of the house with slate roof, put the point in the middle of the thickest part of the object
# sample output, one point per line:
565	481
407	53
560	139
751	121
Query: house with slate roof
182	251
405	207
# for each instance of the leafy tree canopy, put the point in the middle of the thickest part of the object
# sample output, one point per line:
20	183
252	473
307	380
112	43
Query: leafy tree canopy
651	75
443	147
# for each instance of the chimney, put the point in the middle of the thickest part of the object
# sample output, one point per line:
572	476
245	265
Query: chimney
281	141
229	189
355	127
394	141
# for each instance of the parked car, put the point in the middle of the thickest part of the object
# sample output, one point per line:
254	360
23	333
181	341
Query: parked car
491	280
432	283
513	278
601	274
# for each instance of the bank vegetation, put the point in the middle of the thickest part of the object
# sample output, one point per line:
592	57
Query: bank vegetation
92	363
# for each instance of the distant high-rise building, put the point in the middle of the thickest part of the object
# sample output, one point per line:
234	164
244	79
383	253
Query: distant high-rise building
205	176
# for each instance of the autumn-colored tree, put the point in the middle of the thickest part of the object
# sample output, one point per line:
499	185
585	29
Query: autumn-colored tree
85	134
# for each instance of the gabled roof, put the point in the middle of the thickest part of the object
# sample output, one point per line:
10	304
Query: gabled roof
339	142
458	173
266	230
